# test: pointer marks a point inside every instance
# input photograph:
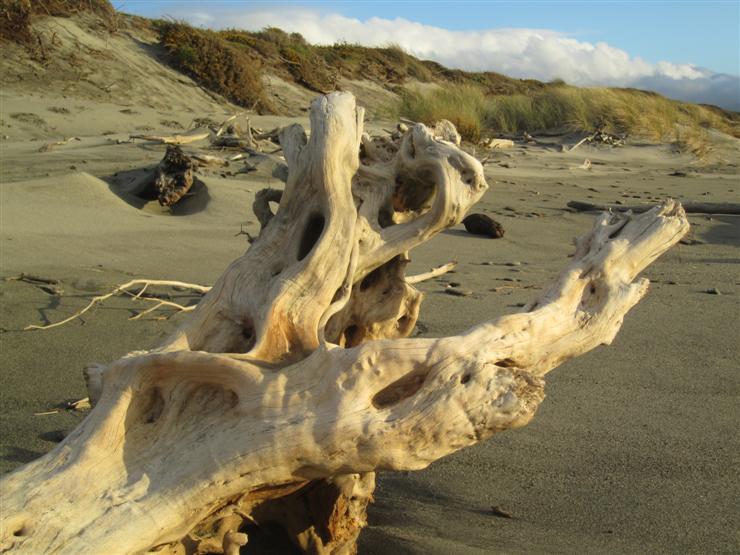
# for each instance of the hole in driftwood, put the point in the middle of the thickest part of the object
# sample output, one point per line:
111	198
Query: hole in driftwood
352	336
413	192
207	399
311	234
403	322
247	339
372	278
20	532
507	363
385	217
465	378
401	389
154	406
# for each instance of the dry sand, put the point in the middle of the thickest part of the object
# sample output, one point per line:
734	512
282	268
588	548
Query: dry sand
636	447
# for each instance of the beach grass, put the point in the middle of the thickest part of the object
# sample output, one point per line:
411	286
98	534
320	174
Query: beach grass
559	106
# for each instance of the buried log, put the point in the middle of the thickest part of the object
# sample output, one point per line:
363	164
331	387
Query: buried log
174	176
293	380
689	207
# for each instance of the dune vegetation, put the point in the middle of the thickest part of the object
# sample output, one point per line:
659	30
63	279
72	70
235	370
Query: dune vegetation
215	63
559	106
16	16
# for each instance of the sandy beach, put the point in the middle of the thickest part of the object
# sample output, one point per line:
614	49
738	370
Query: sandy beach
636	447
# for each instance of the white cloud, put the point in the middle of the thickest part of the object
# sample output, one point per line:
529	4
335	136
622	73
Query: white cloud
523	53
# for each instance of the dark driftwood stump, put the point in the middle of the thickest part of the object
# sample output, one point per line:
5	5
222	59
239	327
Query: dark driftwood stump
480	224
174	176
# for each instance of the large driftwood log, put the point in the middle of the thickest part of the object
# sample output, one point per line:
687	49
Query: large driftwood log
689	207
293	381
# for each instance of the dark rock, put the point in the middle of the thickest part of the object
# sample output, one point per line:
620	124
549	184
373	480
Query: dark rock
480	224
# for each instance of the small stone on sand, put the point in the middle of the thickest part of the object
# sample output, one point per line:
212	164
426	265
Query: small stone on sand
458	292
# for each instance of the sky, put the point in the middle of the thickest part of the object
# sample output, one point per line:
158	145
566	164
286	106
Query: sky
688	50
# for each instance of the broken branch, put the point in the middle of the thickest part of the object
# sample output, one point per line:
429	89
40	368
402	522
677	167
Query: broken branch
433	273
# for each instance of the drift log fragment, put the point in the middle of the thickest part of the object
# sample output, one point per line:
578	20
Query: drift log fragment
173	139
689	207
252	411
174	176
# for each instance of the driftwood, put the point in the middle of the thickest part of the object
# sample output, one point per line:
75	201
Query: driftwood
446	131
496	144
173	139
293	382
689	207
433	273
231	135
599	136
48	147
261	205
173	177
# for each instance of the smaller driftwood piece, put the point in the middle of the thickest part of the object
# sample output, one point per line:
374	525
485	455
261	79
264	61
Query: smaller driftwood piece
293	381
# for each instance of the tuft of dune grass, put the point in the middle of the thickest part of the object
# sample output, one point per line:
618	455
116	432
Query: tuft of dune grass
463	105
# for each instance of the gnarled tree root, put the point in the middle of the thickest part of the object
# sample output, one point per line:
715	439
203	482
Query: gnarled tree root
292	382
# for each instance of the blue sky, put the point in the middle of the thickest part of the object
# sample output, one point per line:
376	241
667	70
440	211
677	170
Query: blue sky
683	49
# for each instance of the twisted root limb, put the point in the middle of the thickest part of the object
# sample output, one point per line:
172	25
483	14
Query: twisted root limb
293	380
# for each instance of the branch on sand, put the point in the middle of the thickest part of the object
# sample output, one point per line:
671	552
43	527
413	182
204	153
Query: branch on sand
126	289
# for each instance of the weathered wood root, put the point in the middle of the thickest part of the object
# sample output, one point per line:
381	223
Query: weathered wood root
254	412
261	205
